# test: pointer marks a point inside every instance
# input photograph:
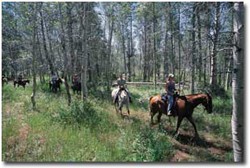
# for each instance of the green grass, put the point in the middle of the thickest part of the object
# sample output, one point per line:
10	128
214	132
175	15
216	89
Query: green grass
91	131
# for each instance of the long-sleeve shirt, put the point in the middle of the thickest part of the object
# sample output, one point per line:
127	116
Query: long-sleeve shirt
121	82
170	88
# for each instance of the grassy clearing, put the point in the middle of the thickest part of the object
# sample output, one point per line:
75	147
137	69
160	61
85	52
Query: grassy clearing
93	132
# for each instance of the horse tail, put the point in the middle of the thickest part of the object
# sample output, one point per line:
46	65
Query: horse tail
152	106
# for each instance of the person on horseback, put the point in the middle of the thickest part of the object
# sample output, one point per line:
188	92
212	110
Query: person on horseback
170	88
53	78
76	79
121	82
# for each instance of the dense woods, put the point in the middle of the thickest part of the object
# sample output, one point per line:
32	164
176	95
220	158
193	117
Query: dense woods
146	41
199	42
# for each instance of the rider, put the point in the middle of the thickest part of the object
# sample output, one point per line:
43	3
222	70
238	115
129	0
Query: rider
170	88
53	78
76	79
121	82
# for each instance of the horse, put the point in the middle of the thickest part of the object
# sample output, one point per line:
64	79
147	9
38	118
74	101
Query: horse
76	87
183	107
4	80
55	85
22	82
123	99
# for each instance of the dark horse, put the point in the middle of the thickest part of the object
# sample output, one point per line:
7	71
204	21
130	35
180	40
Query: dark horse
22	82
183	107
76	87
54	86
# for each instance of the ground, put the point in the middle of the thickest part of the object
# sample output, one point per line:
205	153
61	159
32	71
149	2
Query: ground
48	134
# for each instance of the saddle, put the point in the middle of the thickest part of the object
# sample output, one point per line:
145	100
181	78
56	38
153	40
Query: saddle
164	98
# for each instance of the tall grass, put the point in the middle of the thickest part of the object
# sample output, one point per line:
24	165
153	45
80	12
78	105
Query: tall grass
91	131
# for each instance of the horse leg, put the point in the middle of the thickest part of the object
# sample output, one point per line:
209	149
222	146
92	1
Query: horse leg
116	107
127	109
191	120
159	117
152	117
120	108
178	125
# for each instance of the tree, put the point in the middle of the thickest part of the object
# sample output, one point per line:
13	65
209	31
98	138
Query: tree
69	7
66	69
83	36
238	83
193	49
215	35
34	53
47	55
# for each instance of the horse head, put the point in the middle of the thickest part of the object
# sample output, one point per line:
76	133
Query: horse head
123	95
59	80
207	103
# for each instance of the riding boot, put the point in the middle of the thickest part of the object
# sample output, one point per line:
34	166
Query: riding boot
169	113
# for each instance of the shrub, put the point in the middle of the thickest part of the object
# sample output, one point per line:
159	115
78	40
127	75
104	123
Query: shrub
151	146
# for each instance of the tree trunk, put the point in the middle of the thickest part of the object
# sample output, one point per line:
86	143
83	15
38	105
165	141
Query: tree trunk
85	54
70	36
51	67
154	47
213	76
179	45
145	66
124	49
238	83
166	55
109	66
65	63
51	55
34	52
41	73
200	46
172	58
193	51
228	73
131	52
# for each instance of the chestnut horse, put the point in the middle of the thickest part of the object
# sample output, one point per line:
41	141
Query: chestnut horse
183	108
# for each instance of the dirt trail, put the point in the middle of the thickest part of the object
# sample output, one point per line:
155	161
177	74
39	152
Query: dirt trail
187	147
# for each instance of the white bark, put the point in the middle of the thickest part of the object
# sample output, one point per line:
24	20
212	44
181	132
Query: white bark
85	55
238	83
34	47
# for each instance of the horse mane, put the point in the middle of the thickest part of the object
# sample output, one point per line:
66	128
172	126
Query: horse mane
209	99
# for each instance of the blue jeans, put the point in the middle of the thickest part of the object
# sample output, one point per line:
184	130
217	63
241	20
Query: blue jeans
170	102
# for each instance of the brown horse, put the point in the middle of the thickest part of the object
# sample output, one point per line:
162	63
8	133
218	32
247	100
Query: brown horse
183	108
